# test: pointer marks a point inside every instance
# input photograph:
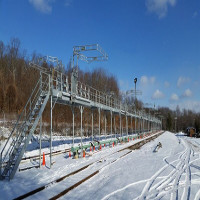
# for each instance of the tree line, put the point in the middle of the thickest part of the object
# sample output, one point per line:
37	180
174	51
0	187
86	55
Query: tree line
179	119
17	79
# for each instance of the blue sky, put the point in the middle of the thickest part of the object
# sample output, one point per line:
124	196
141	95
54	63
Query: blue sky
157	41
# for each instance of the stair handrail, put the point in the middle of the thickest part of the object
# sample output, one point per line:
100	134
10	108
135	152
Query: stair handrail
17	123
34	101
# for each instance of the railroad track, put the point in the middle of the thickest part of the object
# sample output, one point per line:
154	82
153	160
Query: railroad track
37	157
72	180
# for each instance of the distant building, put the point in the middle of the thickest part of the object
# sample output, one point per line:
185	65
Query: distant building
191	132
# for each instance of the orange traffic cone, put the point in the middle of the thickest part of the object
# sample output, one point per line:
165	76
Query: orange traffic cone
69	154
128	139
90	149
94	148
100	147
43	163
113	144
83	154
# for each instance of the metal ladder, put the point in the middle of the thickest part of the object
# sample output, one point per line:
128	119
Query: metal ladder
24	128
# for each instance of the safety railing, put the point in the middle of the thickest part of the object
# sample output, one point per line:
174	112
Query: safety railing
60	82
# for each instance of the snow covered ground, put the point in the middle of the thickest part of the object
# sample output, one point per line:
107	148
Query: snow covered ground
173	172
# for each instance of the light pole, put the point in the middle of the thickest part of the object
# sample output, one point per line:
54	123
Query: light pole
135	81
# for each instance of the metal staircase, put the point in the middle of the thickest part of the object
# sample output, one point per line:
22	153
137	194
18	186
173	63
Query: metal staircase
24	128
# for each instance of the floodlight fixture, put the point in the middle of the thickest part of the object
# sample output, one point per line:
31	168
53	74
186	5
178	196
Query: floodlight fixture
135	80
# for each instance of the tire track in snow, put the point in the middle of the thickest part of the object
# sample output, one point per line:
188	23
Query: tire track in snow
171	183
148	181
182	168
162	185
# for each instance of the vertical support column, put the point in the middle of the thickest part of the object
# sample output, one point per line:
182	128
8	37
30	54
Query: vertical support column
111	122
51	126
51	134
81	110
122	129
99	122
131	126
61	83
40	121
114	126
151	126
1	165
135	124
105	126
126	126
120	117
92	126
73	124
40	139
143	122
143	128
